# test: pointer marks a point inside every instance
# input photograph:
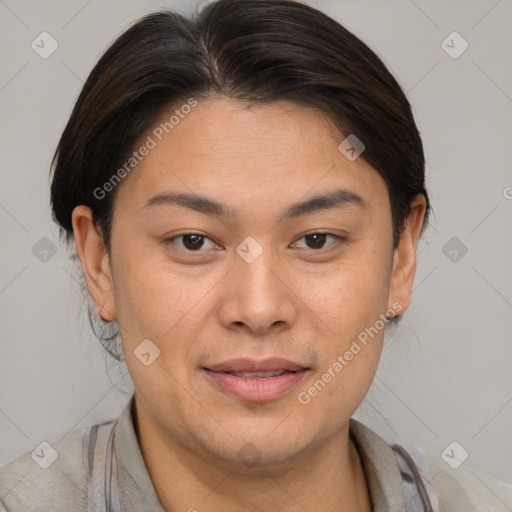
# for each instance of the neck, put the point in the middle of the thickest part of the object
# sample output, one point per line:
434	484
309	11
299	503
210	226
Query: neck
328	478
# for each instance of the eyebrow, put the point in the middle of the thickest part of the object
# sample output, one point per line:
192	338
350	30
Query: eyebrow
333	199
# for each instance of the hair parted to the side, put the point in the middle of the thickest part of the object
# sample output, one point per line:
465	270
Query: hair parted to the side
259	51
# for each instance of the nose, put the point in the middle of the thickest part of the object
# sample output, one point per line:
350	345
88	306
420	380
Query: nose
258	298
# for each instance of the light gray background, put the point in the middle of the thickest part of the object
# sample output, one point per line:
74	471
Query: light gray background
445	374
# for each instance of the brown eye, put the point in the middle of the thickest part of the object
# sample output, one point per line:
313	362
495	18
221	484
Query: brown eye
318	240
193	242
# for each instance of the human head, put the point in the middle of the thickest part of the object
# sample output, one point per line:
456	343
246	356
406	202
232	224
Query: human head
285	62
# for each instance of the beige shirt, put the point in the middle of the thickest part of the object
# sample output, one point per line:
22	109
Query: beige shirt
40	482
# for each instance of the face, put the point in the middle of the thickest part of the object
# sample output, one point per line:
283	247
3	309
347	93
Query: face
246	242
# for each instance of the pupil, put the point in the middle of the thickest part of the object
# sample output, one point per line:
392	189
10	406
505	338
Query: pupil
316	240
193	241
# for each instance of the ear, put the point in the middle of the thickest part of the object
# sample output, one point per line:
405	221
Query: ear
404	258
95	261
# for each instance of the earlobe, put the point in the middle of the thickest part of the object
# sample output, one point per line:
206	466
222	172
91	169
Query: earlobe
404	257
95	261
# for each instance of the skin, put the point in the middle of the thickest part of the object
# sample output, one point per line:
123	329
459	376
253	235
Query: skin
298	300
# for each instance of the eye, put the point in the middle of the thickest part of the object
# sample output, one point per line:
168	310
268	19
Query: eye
193	242
317	240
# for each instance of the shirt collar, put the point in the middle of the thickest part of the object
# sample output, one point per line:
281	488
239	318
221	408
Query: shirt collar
378	460
136	488
380	467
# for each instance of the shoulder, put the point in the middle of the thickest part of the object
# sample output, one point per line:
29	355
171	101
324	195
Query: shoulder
466	489
50	477
461	488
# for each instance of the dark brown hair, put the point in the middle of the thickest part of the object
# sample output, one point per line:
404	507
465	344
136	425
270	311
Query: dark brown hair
259	51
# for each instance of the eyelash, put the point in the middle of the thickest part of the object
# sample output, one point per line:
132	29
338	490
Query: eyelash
336	238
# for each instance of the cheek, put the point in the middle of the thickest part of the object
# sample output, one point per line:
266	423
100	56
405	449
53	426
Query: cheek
350	296
161	306
151	298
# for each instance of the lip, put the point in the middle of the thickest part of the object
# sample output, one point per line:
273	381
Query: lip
256	389
273	364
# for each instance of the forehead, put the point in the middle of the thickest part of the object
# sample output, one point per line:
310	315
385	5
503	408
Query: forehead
239	151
